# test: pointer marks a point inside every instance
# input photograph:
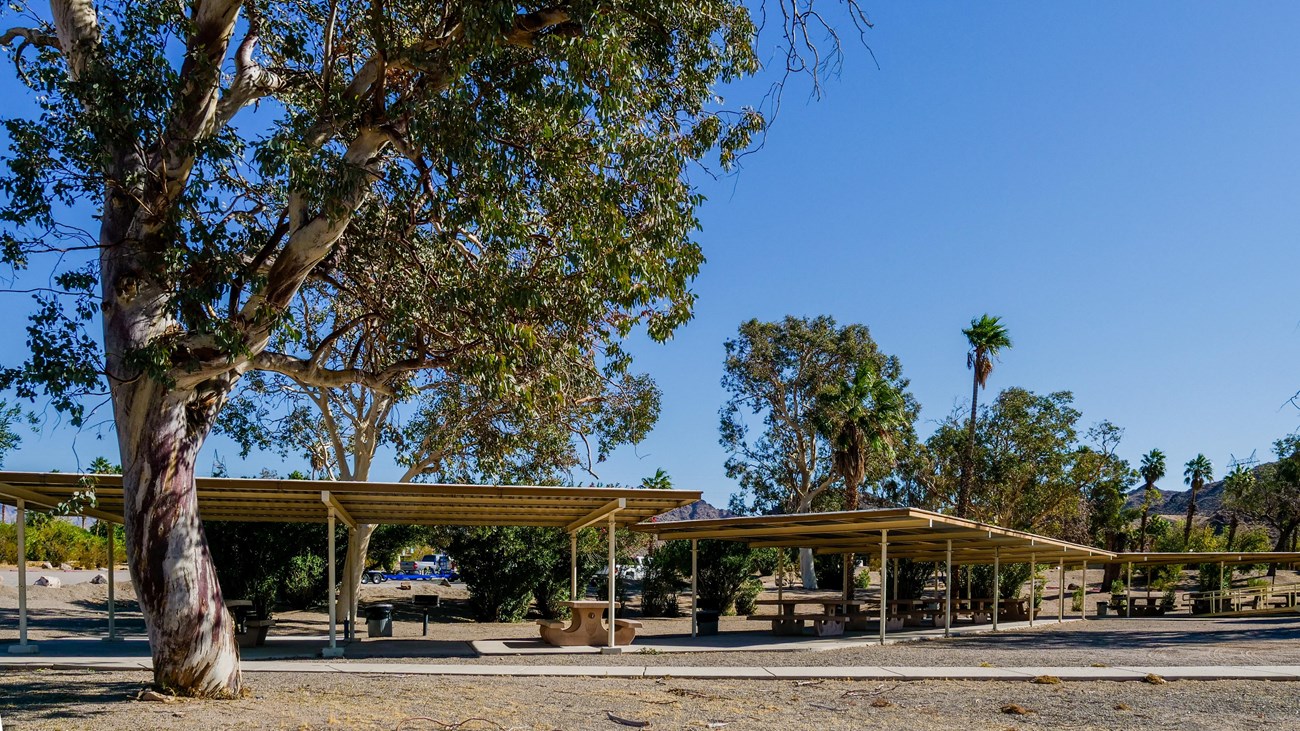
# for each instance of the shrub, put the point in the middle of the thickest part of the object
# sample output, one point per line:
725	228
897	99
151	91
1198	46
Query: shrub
829	570
659	590
1076	599
912	577
749	591
273	565
1011	579
505	568
862	579
1168	601
724	566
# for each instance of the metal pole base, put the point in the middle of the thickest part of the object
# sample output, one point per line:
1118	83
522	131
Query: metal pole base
112	638
611	650
23	649
331	652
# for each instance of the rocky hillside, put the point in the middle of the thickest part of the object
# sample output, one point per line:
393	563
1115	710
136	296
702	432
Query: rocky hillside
698	510
1174	502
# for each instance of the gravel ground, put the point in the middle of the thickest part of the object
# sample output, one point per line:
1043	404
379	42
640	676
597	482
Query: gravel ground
77	700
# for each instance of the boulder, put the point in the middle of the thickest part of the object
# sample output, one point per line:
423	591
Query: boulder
47	565
52	582
99	579
65	567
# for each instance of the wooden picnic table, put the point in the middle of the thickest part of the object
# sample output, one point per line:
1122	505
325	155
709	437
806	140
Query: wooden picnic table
836	613
587	626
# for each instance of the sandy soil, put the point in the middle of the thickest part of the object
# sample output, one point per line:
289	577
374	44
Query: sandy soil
77	700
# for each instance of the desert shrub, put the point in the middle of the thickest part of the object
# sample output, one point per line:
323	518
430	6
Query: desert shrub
660	588
506	568
8	543
862	580
749	591
768	561
829	570
724	566
1168	601
58	541
273	565
911	577
1011	578
1076	599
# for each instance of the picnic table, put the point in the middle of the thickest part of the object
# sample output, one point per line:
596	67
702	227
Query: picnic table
250	630
980	609
587	626
836	613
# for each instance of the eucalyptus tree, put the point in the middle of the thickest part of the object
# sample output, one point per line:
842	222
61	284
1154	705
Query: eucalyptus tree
225	149
987	337
1195	473
1151	469
773	373
445	423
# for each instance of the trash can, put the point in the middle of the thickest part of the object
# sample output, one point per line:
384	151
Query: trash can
379	620
706	621
1103	608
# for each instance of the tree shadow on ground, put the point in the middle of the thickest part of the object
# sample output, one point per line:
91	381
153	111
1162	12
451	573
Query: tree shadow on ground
55	695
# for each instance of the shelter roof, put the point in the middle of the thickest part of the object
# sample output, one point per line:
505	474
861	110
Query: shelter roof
912	533
276	500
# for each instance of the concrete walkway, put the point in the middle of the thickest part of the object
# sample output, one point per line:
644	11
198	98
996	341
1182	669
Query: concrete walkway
1021	674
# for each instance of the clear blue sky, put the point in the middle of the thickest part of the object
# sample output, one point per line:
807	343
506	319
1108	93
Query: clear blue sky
1119	181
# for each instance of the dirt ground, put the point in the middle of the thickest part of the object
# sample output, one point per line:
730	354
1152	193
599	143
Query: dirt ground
76	700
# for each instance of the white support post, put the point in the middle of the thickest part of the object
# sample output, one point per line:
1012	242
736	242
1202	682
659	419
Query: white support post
1083	609
112	603
573	567
1033	586
884	582
333	650
947	591
997	588
613	577
845	559
1060	604
1128	590
695	594
22	648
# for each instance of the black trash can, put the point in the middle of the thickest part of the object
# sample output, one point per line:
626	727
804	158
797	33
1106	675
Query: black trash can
379	620
706	621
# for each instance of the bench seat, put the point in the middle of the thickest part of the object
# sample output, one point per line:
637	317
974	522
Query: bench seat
806	617
550	623
634	624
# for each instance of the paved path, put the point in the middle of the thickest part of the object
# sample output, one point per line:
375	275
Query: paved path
1021	674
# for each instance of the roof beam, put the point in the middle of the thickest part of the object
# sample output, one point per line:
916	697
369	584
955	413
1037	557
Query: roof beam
741	532
342	512
597	515
35	498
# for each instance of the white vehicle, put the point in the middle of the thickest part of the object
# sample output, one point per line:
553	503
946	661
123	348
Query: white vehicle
633	570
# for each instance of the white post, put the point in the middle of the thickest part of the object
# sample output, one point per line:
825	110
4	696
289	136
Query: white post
612	578
22	648
1033	586
695	594
1128	590
573	567
947	591
1060	605
1083	609
112	604
997	588
333	650
884	581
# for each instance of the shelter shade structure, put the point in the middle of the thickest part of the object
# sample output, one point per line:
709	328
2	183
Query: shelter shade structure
1226	558
353	503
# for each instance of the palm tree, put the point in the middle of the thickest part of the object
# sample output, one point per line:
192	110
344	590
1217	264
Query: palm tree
1195	473
1152	469
859	418
1236	484
658	481
987	336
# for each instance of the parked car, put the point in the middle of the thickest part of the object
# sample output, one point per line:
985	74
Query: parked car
433	563
633	570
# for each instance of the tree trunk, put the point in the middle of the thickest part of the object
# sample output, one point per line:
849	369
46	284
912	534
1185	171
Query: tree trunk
1142	529
1232	532
968	464
806	568
1191	513
191	635
353	565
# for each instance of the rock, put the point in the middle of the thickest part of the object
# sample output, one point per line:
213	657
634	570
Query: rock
52	582
47	565
65	567
99	579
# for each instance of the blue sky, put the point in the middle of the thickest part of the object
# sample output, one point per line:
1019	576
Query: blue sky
1120	182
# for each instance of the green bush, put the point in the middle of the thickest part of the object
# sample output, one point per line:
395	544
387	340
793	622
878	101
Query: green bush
749	591
660	588
724	567
1168	601
273	565
862	579
1011	578
912	577
506	568
829	570
1076	599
